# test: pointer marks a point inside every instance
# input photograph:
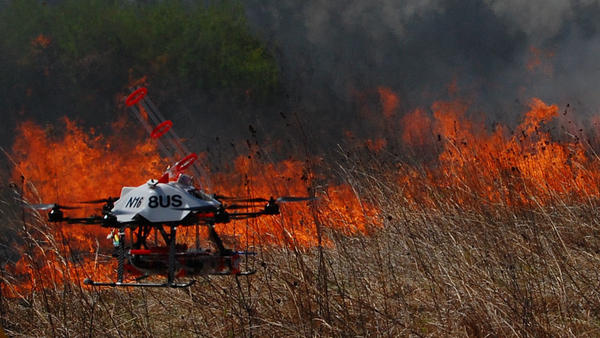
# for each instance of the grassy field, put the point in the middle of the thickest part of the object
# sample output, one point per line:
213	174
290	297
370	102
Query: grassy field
444	269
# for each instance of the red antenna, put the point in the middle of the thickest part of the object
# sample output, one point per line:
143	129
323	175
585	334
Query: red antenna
161	130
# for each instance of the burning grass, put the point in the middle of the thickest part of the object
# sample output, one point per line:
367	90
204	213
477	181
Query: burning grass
427	271
498	236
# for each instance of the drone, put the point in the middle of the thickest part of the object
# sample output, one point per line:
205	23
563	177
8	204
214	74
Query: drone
160	206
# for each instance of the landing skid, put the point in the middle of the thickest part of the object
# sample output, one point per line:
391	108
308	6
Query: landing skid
244	273
88	281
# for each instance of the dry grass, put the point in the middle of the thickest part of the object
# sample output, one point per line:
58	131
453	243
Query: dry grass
443	270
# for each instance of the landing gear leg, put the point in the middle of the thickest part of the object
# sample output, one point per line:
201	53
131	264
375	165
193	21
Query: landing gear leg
121	263
214	237
171	273
169	240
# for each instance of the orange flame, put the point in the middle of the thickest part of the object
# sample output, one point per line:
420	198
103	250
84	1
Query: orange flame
389	101
416	128
298	222
73	164
480	167
41	41
540	60
67	166
474	168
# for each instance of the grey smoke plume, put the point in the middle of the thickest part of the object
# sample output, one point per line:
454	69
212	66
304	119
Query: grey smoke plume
334	54
500	53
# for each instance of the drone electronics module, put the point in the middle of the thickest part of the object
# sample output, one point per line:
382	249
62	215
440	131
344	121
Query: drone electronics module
162	205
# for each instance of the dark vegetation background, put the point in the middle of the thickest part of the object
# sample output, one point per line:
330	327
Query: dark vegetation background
217	67
76	59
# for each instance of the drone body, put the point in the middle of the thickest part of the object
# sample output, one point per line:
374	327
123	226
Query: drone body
160	207
155	202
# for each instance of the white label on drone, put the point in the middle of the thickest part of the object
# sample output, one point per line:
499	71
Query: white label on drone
165	201
134	202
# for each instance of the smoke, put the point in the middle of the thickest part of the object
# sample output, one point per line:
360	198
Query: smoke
334	55
538	19
498	53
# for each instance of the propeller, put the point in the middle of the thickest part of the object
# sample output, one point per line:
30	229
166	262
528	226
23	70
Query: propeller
221	197
240	206
52	206
248	200
109	203
55	214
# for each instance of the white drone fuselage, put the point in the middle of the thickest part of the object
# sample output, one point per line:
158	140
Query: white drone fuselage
159	202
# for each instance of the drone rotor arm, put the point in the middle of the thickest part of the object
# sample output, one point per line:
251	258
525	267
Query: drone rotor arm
48	206
241	206
101	200
281	199
246	215
202	208
284	199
